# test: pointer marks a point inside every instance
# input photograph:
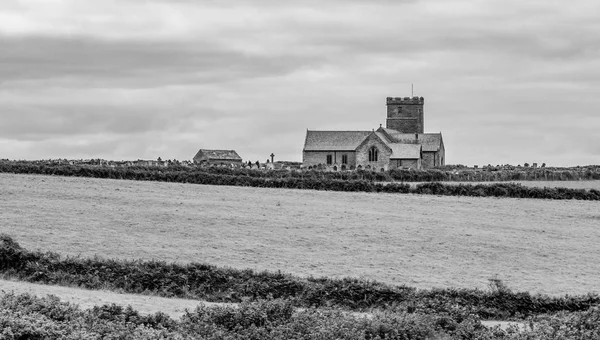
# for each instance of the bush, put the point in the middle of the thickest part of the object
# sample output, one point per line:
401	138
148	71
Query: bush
361	180
211	283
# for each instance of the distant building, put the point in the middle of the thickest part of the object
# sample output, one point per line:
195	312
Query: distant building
217	157
401	144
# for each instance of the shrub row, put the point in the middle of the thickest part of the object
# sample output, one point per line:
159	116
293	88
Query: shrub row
27	317
398	175
505	190
241	177
202	281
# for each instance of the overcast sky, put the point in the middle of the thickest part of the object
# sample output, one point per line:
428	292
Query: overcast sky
505	81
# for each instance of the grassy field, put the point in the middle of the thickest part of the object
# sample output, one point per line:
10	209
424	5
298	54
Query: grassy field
424	241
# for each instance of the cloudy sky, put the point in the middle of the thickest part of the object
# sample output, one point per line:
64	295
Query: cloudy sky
505	81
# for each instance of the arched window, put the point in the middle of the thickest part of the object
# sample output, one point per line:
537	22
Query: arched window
373	154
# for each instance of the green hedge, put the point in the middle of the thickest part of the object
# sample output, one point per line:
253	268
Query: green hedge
296	180
202	281
398	175
28	317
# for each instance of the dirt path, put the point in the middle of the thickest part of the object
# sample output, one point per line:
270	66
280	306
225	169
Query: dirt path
542	246
145	304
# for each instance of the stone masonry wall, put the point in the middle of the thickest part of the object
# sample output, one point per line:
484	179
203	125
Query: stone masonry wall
405	114
362	154
428	159
410	163
405	163
312	158
442	155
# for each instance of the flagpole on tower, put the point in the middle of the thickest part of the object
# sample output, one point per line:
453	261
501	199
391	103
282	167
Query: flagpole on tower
412	90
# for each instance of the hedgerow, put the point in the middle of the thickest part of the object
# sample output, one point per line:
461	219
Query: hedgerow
28	317
360	181
441	174
202	281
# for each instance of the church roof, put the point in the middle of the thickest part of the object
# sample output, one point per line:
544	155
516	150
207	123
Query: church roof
217	154
430	141
334	140
405	151
404	145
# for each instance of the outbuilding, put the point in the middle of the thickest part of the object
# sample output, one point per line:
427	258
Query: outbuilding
217	157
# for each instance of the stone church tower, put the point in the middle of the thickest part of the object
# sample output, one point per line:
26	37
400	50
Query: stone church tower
405	114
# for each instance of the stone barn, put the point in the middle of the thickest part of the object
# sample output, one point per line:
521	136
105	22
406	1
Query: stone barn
401	144
217	157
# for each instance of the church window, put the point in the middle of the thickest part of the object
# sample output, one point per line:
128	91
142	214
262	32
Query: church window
344	159
373	154
329	159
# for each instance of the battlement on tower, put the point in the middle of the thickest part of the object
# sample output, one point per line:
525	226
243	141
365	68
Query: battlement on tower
405	100
405	114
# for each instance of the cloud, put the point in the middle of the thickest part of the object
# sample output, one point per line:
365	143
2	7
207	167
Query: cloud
97	62
505	81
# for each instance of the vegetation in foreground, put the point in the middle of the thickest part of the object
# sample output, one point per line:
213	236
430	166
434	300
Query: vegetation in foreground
359	181
432	314
206	282
28	317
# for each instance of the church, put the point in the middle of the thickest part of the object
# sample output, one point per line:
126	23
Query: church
401	144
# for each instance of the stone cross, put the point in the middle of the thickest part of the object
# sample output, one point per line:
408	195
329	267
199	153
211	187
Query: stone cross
272	155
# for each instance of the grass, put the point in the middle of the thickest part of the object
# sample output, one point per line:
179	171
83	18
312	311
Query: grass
421	241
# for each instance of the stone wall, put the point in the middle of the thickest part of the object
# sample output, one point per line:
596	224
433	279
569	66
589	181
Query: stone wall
405	114
429	159
404	125
312	158
434	159
226	162
410	163
384	153
442	155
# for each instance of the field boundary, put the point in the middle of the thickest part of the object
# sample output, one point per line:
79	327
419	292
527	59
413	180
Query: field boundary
312	181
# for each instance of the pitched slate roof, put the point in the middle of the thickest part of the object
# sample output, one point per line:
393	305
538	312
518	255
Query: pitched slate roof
403	145
218	154
405	151
383	137
334	140
430	141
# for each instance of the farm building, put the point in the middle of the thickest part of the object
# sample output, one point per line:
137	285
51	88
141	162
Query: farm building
401	144
217	157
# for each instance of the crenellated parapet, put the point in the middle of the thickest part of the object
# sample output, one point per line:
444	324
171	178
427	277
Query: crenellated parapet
405	101
405	114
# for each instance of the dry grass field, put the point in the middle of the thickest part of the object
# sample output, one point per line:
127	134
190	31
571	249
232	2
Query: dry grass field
424	241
